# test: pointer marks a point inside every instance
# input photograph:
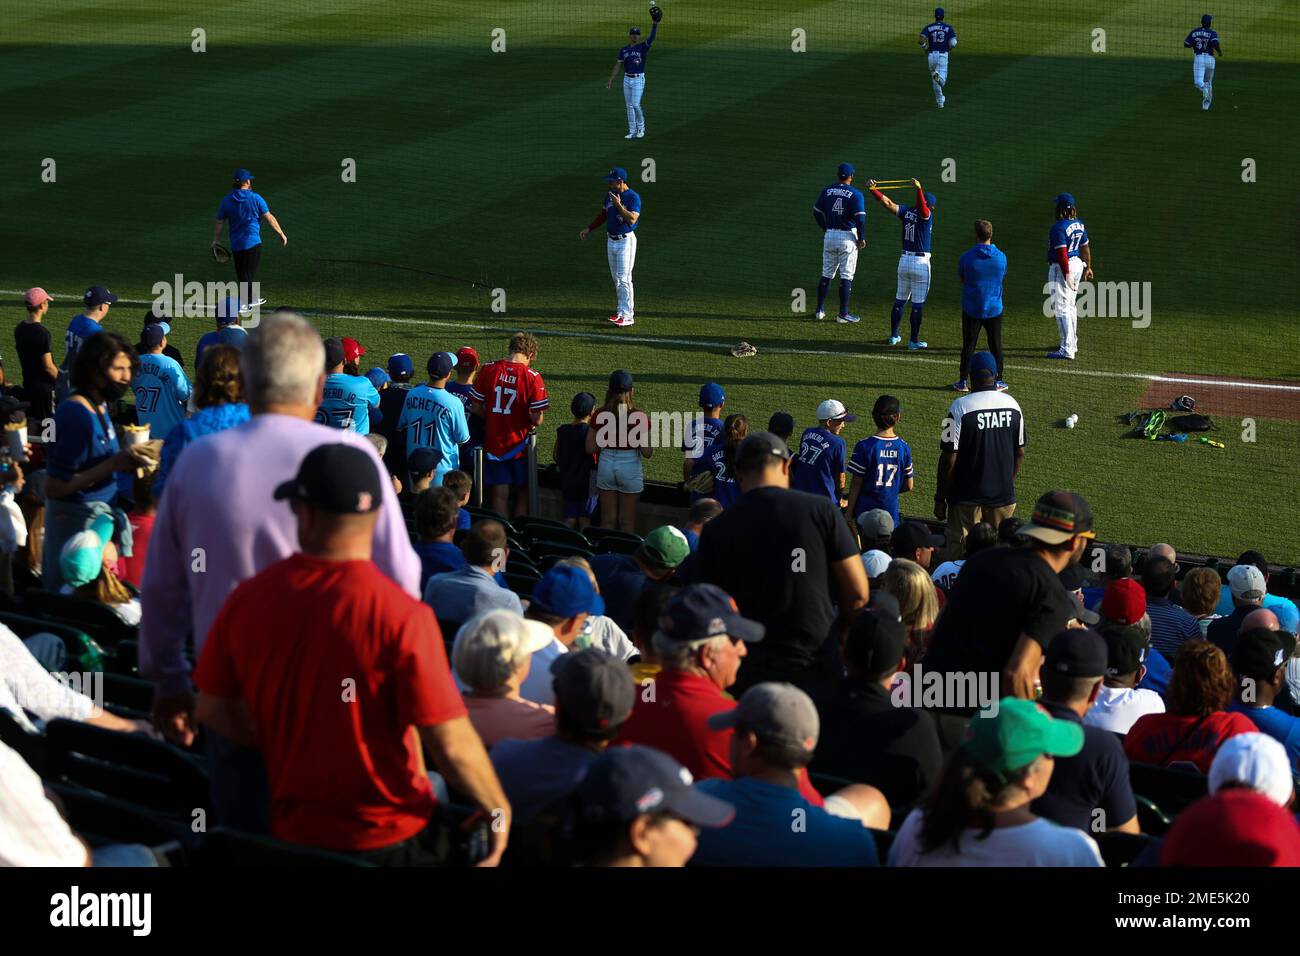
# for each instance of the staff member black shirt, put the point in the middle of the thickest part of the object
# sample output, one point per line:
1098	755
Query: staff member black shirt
985	428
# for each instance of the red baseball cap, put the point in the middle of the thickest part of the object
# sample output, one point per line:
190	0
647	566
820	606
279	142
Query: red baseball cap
36	295
1124	602
1235	827
352	350
466	357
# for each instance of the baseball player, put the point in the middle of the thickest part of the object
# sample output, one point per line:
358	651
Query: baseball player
1204	44
937	39
1070	259
631	59
841	211
245	210
621	213
914	263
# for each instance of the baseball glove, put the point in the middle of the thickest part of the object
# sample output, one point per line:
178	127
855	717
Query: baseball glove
700	484
220	252
655	13
743	350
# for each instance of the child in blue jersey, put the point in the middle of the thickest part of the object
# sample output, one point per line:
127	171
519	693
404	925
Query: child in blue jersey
818	466
348	398
719	459
160	386
881	465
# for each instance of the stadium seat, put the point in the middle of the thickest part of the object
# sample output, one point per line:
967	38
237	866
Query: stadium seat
1151	818
75	640
1121	849
31	747
1172	789
596	535
520	584
129	692
478	513
544	549
613	545
226	848
826	784
100	819
539	534
97	620
520	561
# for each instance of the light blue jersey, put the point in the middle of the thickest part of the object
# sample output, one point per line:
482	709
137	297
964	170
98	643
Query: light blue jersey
161	391
435	418
347	402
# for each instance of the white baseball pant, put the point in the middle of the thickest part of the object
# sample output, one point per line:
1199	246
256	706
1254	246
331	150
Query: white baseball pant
839	254
633	90
938	62
913	278
1203	75
1064	304
622	256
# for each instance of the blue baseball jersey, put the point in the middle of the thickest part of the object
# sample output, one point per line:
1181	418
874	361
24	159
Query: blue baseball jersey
726	490
939	37
347	402
1202	40
161	391
633	55
615	223
916	229
840	206
79	329
699	434
884	465
462	392
818	464
244	210
435	418
1067	233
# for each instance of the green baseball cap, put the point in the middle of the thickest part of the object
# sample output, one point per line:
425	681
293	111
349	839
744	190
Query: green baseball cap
1018	735
667	545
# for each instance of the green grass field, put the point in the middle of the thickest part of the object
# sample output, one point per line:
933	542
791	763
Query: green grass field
484	166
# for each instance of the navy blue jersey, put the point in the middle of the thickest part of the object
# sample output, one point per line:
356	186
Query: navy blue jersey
884	465
614	222
1202	40
916	229
725	489
819	463
939	37
840	206
1069	233
633	55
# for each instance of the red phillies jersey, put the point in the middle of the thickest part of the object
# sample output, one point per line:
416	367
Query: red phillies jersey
510	393
338	666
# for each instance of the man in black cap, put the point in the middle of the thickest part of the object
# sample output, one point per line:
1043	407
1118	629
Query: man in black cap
1259	658
1089	791
343	770
789	560
1120	702
913	541
868	737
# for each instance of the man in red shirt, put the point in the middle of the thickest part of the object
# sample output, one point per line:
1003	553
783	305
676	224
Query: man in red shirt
347	772
510	397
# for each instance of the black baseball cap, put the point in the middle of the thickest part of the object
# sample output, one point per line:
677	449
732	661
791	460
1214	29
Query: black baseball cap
759	447
594	690
1126	649
12	410
1058	517
625	782
909	536
340	479
1072	577
153	335
333	352
620	380
875	643
701	611
1259	652
97	295
582	404
781	424
1077	652
422	461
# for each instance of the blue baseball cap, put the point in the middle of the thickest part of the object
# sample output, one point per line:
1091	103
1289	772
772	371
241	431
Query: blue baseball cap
241	174
712	395
625	782
98	295
228	311
1064	201
702	611
846	169
236	336
616	175
620	380
441	364
983	364
636	30
930	200
938	13
153	335
566	591
400	366
378	377
1205	20
582	404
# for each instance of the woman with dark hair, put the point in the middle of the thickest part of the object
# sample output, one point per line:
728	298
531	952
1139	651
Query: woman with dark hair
978	814
1197	721
719	459
81	472
620	435
219	400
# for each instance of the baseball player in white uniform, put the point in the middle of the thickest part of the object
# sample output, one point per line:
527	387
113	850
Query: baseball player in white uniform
1204	44
937	39
841	213
1070	258
620	214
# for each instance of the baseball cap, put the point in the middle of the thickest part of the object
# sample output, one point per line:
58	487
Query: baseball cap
775	713
582	404
440	364
98	295
1126	650
625	782
12	410
1258	653
1233	827
911	535
228	311
620	380
594	689
466	357
334	355
501	635
35	296
1255	761
759	447
423	461
636	30
566	591
82	557
876	523
1124	601
615	175
153	335
336	478
235	336
1059	516
1064	201
701	611
1247	583
938	13
400	366
352	350
1206	20
1081	613
241	174
667	546
378	377
1017	735
930	200
834	411
781	424
875	643
1076	652
846	169
1071	577
712	395
876	563
983	365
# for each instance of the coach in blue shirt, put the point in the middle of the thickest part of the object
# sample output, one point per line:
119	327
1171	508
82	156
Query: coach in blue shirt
982	270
